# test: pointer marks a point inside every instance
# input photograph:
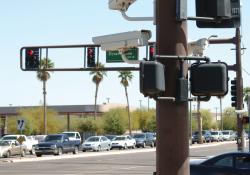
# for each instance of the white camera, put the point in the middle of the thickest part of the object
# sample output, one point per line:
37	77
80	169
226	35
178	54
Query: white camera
123	40
196	48
121	5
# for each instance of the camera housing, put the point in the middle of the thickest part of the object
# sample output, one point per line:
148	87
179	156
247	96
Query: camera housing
123	40
121	5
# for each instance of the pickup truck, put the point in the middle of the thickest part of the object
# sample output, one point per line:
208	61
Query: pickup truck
75	138
55	144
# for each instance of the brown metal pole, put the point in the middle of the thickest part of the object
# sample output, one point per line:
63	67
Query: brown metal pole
68	122
172	151
239	92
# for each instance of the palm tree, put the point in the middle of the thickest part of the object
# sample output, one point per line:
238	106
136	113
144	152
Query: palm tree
97	78
126	76
43	76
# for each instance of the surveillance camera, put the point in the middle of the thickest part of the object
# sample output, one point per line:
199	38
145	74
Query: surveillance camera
121	5
197	48
123	40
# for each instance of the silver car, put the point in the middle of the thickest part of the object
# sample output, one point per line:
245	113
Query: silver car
11	148
96	143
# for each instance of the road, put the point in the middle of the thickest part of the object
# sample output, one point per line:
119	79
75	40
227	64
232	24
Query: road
128	162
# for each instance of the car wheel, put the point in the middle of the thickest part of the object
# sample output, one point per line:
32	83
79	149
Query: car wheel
83	150
32	151
7	154
152	144
76	150
22	153
38	155
59	151
99	148
108	148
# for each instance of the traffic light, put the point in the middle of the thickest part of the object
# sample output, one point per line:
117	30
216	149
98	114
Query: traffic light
91	57
245	120
32	58
234	93
226	13
209	79
151	53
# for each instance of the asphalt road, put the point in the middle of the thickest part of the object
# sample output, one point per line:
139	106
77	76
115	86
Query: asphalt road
128	162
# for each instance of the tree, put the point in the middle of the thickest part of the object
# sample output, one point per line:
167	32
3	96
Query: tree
114	122
229	119
125	77
207	120
246	93
44	76
97	79
33	118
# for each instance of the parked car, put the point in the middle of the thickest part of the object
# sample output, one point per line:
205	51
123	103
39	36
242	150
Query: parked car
39	138
28	142
144	139
96	143
228	135
11	148
206	136
237	163
55	144
217	136
110	136
75	138
123	142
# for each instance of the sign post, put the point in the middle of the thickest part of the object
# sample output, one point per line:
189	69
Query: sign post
248	104
20	127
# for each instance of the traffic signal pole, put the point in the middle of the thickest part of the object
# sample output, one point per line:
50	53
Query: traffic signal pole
172	151
239	82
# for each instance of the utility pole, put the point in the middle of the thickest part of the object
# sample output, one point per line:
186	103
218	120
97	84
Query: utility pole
172	117
239	92
239	82
248	104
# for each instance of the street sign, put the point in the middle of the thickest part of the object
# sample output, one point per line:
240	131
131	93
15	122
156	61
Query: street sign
20	124
21	139
115	57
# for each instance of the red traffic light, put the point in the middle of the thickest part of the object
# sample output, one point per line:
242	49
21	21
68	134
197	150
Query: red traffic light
30	52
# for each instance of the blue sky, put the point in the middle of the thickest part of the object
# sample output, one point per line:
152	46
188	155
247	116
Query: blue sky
62	22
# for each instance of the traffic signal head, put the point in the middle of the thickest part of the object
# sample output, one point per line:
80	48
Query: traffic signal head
91	57
209	79
151	53
234	93
32	58
226	13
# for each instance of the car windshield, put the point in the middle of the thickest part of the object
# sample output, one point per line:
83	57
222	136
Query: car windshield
70	134
225	132
93	139
137	136
9	138
110	137
214	133
119	138
4	143
53	138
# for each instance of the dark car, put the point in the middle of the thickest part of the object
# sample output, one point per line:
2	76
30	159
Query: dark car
206	136
55	144
144	139
237	163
